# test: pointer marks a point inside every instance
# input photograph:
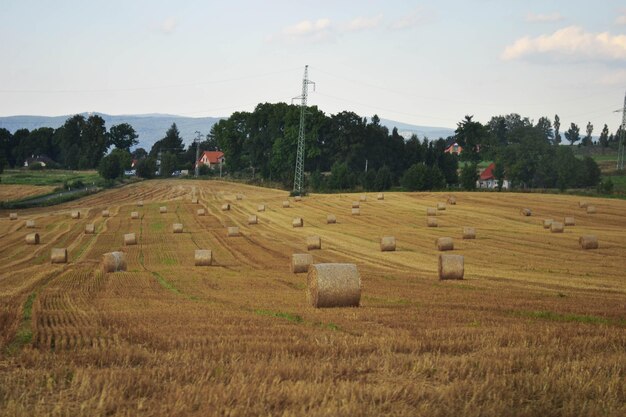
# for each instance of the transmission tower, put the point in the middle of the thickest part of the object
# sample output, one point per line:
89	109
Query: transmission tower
298	179
620	149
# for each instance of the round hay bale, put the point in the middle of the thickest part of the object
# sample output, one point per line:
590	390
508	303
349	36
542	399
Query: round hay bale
30	224
356	212
75	214
441	206
58	255
114	262
432	222
105	213
162	209
451	266
225	207
200	212
452	200
431	211
285	204
388	244
90	229
239	197
134	215
130	239
233	231
380	196
253	219
469	233
203	257
260	207
583	204
32	239
591	209
444	243
313	242
300	262
297	222
177	228
356	204
12	216
526	212
140	203
194	200
556	227
547	223
333	285
331	219
588	242
363	197
298	198
569	221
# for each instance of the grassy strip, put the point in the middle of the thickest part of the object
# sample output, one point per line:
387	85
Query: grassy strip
167	285
287	316
568	318
29	203
24	334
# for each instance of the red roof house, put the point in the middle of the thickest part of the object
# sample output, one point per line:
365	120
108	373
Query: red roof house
211	158
488	180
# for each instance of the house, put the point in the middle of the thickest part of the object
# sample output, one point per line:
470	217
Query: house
211	158
43	160
453	147
489	181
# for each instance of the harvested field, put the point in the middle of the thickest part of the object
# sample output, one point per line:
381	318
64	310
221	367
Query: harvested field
12	192
537	326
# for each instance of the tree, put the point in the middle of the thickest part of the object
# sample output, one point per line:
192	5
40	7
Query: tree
557	126
499	173
146	168
604	137
383	179
339	178
587	141
545	127
139	153
123	136
114	164
172	142
469	176
592	174
414	178
93	142
435	180
470	135
573	134
169	164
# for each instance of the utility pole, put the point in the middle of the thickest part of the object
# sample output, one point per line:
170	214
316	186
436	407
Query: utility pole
298	179
620	149
159	161
197	141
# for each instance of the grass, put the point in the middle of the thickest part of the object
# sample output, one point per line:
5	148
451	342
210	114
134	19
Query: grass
49	177
287	316
24	333
569	317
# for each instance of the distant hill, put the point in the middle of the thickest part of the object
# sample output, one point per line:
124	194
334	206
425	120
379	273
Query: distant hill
152	127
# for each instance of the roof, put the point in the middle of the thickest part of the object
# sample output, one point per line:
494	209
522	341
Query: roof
213	157
487	174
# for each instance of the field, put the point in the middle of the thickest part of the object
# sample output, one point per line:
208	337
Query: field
536	328
12	192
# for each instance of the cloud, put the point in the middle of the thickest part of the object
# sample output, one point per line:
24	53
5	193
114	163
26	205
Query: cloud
363	23
540	18
614	78
572	43
306	30
412	19
167	26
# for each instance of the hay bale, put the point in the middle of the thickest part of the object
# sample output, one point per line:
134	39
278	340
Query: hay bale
285	204
432	222
233	231
105	213
300	262
313	242
380	196
203	257
200	212
239	196
356	212
588	242
526	212
333	285
547	223
451	266
431	211
388	244
297	222
90	229
363	197
260	208
134	215
583	204
194	200
58	255
356	204
591	209
140	203
130	239
162	209
12	216
331	219
569	221
30	224
177	228
32	239
444	243
253	219
441	206
469	233
452	200
225	207
114	262
75	214
556	227
298	198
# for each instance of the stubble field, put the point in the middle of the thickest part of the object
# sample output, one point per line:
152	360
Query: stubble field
537	327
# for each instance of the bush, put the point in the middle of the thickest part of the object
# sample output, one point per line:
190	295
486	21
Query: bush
383	180
469	176
146	168
36	166
414	178
606	186
205	171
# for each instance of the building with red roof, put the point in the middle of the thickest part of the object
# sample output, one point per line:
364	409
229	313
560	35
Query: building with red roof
488	180
212	158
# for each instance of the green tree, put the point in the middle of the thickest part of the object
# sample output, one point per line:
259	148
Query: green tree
435	180
169	164
469	176
93	143
146	168
113	165
172	143
470	135
544	125
339	176
604	137
592	173
557	126
587	141
573	134
368	180
414	178
383	179
499	173
123	136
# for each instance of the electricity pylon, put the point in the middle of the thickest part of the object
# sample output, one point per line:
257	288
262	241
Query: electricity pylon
620	149
298	179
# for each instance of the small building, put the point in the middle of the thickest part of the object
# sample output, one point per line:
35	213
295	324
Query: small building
43	160
211	158
488	180
453	147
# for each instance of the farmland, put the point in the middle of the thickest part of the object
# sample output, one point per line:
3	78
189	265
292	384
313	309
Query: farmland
537	327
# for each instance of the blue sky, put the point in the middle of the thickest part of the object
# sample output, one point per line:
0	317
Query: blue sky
419	62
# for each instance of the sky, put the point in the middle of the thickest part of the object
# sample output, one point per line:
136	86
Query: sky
427	63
